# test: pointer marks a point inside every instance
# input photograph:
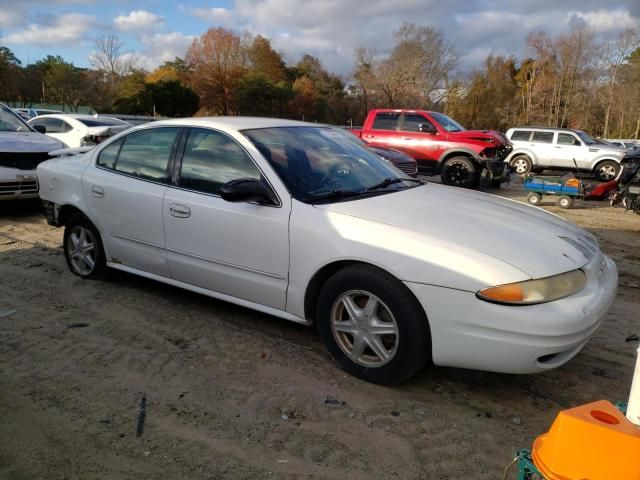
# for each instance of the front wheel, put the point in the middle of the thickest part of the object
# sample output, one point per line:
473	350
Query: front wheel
460	172
372	325
534	198
607	170
83	249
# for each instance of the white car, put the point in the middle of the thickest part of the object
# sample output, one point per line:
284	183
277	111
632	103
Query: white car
299	221
21	150
76	130
540	148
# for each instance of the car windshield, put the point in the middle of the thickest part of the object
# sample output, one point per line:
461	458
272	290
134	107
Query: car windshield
447	123
10	122
102	122
325	164
585	138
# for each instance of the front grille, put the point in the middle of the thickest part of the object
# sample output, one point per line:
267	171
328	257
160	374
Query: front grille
408	168
503	150
22	161
12	188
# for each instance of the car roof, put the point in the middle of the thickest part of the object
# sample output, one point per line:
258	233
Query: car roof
552	129
237	123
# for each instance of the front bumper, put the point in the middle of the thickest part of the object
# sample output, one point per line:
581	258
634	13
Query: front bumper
470	333
18	184
499	171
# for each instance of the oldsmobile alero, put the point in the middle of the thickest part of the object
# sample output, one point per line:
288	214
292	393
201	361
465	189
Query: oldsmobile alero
299	221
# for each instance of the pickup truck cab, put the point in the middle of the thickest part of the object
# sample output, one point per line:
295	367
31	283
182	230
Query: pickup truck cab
439	144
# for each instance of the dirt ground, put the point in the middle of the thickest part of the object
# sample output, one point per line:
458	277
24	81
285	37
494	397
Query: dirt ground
232	393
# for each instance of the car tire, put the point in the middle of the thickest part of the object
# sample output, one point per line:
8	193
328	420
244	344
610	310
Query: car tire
83	248
607	170
372	325
565	201
534	198
460	172
521	165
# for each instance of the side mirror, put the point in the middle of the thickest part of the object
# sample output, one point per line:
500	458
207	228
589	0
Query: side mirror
40	128
247	190
426	128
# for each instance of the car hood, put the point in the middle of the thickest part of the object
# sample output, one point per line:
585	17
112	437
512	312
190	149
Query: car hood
537	243
27	142
480	135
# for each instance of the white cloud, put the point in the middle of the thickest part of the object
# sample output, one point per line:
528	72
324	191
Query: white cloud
163	47
215	15
608	20
138	21
68	27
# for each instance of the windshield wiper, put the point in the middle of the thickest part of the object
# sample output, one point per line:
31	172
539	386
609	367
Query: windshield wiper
335	195
391	181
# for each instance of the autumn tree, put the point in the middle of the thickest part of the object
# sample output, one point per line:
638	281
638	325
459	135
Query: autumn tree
10	73
217	62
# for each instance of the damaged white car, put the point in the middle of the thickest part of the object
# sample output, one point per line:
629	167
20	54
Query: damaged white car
77	130
299	221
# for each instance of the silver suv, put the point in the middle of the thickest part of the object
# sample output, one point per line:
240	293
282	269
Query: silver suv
537	149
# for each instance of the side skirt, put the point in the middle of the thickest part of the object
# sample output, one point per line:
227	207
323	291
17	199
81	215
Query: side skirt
209	293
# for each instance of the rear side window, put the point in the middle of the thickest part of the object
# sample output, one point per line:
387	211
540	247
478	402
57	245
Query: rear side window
53	125
109	154
522	135
212	159
386	121
146	153
543	137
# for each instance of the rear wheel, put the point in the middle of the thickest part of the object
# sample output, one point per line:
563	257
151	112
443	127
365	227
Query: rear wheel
372	325
565	201
534	198
607	170
460	172
521	165
83	249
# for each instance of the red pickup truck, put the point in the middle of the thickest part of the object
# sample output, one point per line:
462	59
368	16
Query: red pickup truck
440	145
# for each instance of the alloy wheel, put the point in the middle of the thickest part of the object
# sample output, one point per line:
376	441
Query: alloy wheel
607	172
521	165
458	173
81	246
364	328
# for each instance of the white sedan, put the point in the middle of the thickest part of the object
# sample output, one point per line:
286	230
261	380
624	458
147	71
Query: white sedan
299	221
77	130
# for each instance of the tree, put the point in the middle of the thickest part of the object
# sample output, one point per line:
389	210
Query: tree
265	61
167	98
217	62
10	73
110	56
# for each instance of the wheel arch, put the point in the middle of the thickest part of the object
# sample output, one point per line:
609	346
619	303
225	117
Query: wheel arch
66	211
458	152
520	153
600	161
319	278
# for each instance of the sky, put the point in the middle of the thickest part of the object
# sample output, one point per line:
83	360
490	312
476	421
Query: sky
160	30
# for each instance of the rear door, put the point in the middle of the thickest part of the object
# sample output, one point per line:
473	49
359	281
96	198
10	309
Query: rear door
384	130
238	249
124	193
543	147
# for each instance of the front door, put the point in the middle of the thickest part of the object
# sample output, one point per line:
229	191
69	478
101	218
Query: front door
238	249
569	152
124	191
421	140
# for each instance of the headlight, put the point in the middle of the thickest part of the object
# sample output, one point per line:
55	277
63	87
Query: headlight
540	290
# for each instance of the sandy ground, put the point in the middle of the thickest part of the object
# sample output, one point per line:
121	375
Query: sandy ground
231	393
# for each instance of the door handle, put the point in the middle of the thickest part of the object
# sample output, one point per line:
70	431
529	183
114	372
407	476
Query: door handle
179	211
369	136
405	138
97	191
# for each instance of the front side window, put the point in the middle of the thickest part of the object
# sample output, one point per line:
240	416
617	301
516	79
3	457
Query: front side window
567	139
386	121
212	159
325	164
542	137
413	122
585	137
146	153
